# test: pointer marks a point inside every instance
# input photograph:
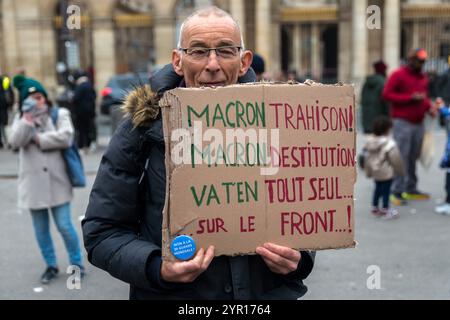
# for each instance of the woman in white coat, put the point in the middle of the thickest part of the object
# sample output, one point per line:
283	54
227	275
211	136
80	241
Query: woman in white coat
44	184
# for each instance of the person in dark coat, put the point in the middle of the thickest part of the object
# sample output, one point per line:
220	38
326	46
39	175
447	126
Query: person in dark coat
372	102
6	103
259	66
122	225
83	101
443	85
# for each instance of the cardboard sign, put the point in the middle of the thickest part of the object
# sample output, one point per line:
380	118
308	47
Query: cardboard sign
250	164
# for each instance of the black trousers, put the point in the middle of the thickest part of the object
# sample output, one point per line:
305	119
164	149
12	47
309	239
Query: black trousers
2	137
447	186
382	190
83	128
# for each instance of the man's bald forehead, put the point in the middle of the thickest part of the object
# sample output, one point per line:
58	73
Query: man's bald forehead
208	17
210	20
204	18
210	11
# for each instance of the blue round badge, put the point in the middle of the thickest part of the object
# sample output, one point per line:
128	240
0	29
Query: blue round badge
183	247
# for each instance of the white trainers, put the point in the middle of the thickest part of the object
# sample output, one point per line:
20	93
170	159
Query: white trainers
390	214
443	209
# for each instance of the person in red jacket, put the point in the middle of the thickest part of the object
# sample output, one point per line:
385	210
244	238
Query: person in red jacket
407	92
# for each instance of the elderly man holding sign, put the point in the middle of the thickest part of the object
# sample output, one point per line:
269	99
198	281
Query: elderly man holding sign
123	224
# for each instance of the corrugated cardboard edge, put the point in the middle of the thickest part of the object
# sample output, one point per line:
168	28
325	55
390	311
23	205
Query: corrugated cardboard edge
349	246
355	169
164	102
169	99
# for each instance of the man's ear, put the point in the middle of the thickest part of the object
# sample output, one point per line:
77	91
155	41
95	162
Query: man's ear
176	62
246	62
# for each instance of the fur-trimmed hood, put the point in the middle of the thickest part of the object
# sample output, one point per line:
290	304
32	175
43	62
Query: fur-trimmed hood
142	104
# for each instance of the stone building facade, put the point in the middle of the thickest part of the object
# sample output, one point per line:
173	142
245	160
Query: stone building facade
328	40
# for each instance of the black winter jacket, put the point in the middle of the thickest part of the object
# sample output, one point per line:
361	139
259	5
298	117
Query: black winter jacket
6	102
84	100
122	227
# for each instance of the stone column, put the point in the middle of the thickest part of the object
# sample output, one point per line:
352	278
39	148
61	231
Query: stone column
48	54
164	31
275	63
237	11
344	41
315	52
263	31
29	41
297	48
2	43
415	34
25	39
391	36
103	41
359	42
12	54
104	50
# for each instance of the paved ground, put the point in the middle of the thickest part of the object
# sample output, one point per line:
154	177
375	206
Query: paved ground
412	253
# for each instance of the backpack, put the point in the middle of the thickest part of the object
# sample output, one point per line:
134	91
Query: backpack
376	161
362	158
72	158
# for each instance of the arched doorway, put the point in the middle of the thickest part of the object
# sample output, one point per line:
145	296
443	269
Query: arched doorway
330	54
74	44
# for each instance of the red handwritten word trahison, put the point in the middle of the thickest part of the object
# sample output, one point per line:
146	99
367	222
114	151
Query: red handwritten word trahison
313	117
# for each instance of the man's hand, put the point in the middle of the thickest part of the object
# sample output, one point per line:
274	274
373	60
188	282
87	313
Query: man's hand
418	96
281	260
187	271
436	106
433	111
439	103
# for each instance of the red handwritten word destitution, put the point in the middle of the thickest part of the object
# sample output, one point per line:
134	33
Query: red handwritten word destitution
312	156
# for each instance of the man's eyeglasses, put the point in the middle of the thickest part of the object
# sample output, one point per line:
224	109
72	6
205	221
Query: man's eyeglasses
200	53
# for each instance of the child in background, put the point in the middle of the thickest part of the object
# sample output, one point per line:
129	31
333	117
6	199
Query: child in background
382	162
445	162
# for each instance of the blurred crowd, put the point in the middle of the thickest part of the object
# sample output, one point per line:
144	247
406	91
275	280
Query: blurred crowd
394	112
